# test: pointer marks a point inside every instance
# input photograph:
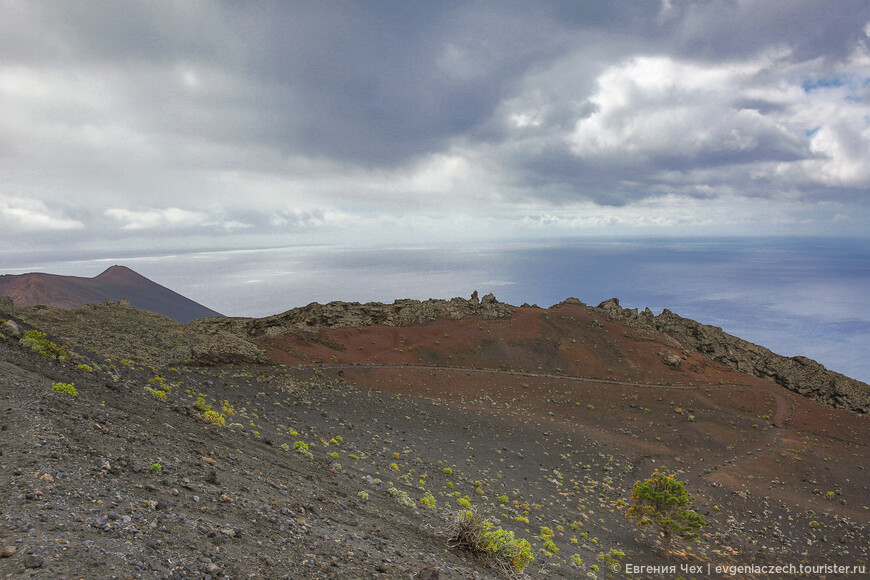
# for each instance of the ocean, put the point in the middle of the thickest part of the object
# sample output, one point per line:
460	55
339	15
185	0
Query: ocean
795	296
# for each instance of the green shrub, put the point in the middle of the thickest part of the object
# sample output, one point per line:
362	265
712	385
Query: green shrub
88	368
67	388
547	537
37	341
610	559
201	404
156	393
402	497
663	501
212	417
428	500
301	447
363	496
495	546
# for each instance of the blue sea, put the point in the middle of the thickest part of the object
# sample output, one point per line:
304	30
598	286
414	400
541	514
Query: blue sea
795	296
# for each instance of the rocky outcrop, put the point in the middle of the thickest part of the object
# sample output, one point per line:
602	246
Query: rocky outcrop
799	374
400	313
220	348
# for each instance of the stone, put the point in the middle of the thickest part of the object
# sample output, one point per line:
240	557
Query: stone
10	328
429	574
7	552
670	359
34	561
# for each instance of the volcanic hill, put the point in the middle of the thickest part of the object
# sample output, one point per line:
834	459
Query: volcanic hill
340	441
116	283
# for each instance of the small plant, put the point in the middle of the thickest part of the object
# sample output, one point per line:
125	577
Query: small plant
285	447
578	561
156	468
363	496
212	417
663	501
495	546
464	502
448	471
334	455
228	409
301	447
201	404
547	537
66	388
610	559
37	341
428	500
402	497
84	367
158	394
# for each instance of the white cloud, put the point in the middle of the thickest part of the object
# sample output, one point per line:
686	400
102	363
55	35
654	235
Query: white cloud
663	108
172	217
32	215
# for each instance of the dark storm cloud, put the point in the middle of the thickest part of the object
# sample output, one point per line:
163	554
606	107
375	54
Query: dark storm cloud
373	83
288	116
727	29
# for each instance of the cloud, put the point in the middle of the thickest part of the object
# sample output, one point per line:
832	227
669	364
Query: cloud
172	217
423	121
666	112
29	215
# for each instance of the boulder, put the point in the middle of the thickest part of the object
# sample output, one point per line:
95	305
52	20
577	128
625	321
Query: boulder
10	328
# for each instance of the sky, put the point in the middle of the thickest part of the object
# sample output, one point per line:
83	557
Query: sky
167	132
202	125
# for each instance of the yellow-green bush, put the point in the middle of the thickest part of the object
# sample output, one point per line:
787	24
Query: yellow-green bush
67	388
495	545
37	341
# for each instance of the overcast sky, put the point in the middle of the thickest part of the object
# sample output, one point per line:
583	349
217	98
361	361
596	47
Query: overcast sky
137	128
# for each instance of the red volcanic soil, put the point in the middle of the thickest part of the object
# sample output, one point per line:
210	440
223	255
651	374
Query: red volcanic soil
571	371
116	283
568	339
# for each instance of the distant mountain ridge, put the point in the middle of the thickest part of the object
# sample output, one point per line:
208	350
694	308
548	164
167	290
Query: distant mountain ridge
116	283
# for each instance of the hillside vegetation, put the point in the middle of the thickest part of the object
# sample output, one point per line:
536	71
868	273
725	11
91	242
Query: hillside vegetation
283	447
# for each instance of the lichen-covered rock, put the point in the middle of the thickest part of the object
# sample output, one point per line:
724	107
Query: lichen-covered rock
11	329
799	374
224	348
404	312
